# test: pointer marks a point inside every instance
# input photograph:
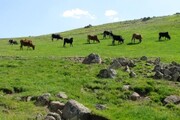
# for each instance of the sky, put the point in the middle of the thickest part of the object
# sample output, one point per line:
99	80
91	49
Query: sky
20	18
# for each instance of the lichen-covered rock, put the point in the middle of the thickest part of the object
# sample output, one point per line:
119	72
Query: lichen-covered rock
172	99
73	110
54	106
43	100
107	73
135	96
92	58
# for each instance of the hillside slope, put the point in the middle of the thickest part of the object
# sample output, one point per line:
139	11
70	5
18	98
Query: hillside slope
52	68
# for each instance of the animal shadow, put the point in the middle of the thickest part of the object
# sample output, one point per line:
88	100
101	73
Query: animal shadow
162	40
130	43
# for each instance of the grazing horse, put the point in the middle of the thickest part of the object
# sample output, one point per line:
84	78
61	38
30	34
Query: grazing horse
106	33
136	36
164	34
117	38
68	40
92	37
56	36
27	43
13	42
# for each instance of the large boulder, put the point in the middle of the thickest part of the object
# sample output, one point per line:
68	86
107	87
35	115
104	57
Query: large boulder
73	110
92	58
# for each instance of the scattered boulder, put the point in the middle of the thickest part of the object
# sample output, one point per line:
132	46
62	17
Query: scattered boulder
52	116
172	99
132	74
144	58
62	95
100	107
43	100
157	61
135	96
115	64
168	72
158	75
124	62
55	106
92	58
107	73
75	111
126	87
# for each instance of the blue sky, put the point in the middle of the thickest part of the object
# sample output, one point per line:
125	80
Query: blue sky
20	18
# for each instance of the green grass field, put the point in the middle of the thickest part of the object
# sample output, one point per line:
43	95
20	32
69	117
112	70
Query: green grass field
48	69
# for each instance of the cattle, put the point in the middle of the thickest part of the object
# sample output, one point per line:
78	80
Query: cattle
164	34
136	36
27	43
117	38
13	42
107	33
56	36
92	37
68	40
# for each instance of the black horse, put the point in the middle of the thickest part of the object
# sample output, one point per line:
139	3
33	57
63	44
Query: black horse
56	36
117	38
164	34
107	33
13	42
68	40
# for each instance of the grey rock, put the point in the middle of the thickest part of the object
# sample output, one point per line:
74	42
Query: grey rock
135	96
73	110
172	99
54	106
107	73
92	58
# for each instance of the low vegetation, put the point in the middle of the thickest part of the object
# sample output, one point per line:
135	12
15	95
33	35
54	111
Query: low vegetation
52	68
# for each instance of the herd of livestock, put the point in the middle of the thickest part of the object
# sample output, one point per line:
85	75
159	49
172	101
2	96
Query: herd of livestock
94	38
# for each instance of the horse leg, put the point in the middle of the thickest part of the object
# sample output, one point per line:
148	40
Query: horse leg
21	47
64	44
132	40
113	42
159	37
88	41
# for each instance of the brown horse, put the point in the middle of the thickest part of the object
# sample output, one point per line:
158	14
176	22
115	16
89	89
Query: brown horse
27	43
92	37
136	36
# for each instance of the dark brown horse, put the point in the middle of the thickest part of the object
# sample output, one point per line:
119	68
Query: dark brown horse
107	33
27	43
92	37
136	36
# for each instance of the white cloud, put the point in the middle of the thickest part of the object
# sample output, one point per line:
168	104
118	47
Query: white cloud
112	15
78	13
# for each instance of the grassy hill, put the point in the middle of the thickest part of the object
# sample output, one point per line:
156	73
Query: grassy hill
49	68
